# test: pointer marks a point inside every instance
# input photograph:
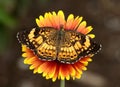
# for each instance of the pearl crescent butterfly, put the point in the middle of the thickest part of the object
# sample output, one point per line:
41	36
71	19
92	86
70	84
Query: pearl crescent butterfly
65	46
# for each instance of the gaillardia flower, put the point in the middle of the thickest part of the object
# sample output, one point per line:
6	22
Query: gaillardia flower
58	48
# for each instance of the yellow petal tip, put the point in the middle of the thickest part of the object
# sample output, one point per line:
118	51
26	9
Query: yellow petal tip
91	35
84	23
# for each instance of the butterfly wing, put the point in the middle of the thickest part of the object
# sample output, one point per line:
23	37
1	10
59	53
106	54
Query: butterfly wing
75	46
41	40
49	44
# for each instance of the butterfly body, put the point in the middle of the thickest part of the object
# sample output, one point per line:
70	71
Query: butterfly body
66	46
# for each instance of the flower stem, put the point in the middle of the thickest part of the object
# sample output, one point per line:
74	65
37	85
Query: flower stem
62	83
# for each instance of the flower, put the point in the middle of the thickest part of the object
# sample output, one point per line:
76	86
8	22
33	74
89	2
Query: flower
54	69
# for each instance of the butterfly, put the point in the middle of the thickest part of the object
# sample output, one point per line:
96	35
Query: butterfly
65	46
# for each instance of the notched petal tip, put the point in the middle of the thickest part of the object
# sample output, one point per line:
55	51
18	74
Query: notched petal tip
88	29
31	67
90	60
91	35
84	68
54	13
24	55
84	62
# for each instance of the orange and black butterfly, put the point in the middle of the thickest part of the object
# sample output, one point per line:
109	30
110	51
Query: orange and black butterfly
65	46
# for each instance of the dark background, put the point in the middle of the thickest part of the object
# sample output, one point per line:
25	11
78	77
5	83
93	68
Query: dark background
103	15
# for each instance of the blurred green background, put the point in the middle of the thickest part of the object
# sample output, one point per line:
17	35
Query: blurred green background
103	15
